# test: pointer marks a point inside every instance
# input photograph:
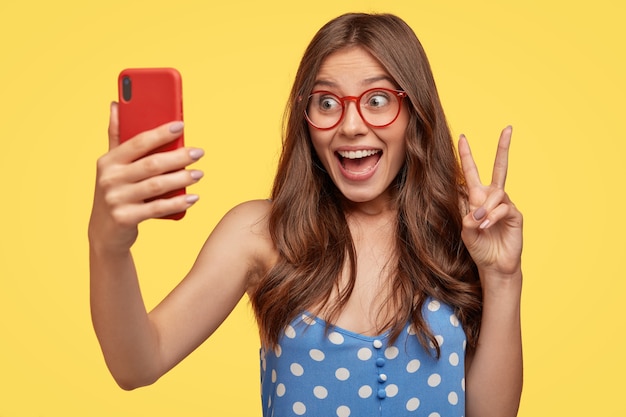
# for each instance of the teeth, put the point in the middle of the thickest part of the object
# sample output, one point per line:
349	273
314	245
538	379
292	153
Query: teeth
358	154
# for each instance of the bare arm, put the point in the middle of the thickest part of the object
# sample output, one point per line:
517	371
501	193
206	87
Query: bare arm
492	232
139	347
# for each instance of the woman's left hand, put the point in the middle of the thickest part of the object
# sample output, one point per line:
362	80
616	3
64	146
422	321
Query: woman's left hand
492	230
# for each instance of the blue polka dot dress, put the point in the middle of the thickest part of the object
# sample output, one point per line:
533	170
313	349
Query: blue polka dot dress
339	373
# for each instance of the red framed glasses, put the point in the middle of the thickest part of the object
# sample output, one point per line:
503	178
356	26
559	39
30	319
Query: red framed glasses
378	107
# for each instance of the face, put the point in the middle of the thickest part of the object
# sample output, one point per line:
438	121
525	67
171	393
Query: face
361	160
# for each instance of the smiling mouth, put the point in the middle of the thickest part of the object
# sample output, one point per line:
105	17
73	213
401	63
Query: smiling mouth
359	161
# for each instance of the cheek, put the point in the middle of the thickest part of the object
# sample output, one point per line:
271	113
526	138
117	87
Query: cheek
321	142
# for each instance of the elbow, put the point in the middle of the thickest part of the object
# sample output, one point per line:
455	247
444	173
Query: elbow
129	380
130	383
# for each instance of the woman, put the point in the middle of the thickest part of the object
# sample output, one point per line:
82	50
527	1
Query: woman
386	280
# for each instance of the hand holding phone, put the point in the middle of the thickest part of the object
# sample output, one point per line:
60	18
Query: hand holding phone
148	98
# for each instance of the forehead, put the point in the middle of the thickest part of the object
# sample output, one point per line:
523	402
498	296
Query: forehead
352	68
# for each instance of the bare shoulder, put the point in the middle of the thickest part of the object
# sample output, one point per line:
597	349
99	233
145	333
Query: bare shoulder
242	236
249	218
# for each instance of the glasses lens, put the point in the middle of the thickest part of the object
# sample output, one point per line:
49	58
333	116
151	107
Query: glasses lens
379	107
324	109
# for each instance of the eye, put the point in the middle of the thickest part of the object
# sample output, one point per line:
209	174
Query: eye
376	99
328	103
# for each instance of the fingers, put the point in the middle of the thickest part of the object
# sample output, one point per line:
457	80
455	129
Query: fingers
501	164
485	199
135	183
151	188
114	131
470	171
161	163
490	211
147	142
133	214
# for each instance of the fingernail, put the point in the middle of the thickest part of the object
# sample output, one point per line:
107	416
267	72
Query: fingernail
484	224
192	198
479	213
177	127
196	174
196	153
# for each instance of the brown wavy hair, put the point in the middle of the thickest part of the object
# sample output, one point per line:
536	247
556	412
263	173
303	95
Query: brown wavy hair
307	220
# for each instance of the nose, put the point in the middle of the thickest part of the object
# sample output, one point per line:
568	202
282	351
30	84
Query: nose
352	124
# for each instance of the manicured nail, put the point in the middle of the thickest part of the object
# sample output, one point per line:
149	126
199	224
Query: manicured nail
177	127
196	153
196	174
484	224
479	213
192	198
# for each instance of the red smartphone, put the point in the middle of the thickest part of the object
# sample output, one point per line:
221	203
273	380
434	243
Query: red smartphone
148	98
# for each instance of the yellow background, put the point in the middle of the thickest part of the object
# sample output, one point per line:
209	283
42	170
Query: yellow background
554	70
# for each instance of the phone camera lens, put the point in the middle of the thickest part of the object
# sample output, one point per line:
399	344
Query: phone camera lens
126	88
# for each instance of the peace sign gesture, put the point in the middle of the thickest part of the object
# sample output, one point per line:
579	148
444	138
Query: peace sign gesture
492	230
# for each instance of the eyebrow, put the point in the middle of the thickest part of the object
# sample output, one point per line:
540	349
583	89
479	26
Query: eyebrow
367	81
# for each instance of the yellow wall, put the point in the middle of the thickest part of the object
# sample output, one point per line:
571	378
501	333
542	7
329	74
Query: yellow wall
555	70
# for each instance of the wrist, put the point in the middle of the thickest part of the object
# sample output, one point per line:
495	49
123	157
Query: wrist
501	285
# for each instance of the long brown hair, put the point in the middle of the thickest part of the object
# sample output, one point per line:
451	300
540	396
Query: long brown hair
307	221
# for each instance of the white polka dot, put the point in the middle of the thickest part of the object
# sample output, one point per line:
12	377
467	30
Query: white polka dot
391	352
308	320
296	369
434	305
280	390
343	411
316	355
413	404
320	392
377	344
413	366
454	359
299	408
342	374
391	390
453	398
464	344
290	332
365	391
364	354
434	415
278	351
434	380
269	403
439	339
411	330
335	338
463	384
454	320
273	375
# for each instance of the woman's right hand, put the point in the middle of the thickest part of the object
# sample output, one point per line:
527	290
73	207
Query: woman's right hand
127	175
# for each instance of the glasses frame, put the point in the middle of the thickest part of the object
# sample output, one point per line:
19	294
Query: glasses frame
357	101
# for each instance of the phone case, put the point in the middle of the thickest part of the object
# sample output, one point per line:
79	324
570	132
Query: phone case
148	98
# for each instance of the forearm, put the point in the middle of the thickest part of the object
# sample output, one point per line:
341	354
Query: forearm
127	338
495	374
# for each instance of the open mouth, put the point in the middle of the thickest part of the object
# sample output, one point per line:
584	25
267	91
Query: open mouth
359	161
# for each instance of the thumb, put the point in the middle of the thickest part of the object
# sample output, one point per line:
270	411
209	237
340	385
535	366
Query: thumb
114	129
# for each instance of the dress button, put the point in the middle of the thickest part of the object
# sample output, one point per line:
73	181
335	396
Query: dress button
380	362
377	344
382	394
382	378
